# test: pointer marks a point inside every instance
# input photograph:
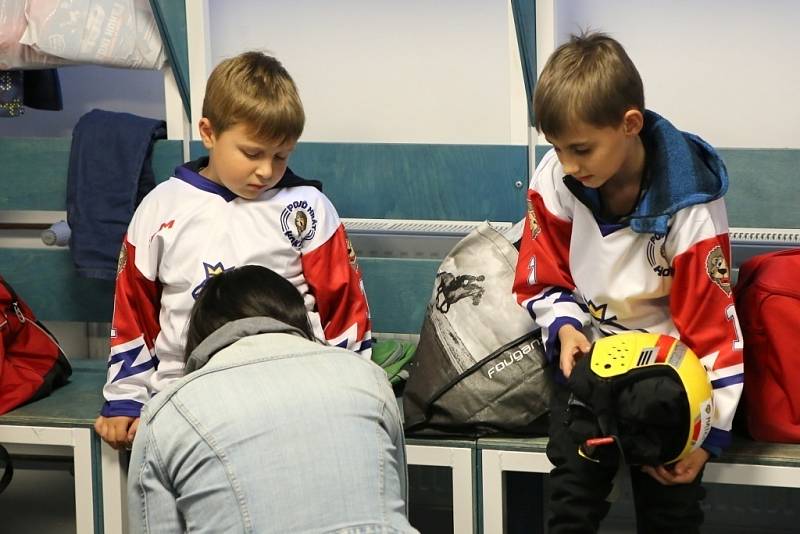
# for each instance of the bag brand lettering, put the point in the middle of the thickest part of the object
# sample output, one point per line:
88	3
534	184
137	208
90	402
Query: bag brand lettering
512	358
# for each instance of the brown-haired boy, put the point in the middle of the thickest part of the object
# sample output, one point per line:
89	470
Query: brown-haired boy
626	231
241	205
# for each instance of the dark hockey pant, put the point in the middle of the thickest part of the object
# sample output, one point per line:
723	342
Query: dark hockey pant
579	488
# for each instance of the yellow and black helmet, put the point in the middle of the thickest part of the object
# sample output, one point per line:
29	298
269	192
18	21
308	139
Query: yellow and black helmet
649	392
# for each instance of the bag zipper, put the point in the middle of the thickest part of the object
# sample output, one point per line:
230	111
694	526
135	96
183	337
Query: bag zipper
22	319
18	311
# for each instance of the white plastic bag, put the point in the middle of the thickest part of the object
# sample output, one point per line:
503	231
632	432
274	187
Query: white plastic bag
16	56
118	33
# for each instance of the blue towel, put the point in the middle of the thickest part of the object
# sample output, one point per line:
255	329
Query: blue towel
683	170
109	173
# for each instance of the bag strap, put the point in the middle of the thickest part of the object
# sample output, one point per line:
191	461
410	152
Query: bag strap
8	471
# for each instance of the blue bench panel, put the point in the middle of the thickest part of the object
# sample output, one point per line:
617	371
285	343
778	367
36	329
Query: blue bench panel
764	187
34	170
47	281
398	289
409	181
76	404
415	181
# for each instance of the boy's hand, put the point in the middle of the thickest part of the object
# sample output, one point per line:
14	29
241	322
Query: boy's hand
117	431
573	346
681	472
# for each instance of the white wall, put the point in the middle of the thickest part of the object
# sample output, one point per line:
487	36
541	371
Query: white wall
725	69
447	71
416	71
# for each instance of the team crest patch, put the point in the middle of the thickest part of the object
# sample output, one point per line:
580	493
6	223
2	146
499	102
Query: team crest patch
717	269
298	222
657	255
351	254
532	221
123	258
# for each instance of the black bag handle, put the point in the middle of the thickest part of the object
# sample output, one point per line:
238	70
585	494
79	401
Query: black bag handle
8	471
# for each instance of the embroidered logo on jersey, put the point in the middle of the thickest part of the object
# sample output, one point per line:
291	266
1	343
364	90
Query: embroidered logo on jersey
657	255
598	312
451	289
532	221
123	258
605	321
210	271
717	269
164	226
298	222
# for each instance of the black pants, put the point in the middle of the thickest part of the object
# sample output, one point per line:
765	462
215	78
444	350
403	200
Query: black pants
579	488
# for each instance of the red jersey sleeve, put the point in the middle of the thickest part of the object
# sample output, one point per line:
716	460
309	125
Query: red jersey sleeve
134	328
702	308
333	278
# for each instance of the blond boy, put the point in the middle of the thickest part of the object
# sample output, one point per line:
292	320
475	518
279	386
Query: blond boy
240	205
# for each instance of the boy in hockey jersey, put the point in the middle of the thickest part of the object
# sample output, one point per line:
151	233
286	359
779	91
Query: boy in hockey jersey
241	205
626	231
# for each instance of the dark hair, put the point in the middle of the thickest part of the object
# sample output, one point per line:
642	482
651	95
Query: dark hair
590	79
247	291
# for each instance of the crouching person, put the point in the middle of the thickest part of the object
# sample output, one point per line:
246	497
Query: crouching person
270	431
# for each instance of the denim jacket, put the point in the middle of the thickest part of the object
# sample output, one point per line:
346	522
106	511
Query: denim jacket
275	434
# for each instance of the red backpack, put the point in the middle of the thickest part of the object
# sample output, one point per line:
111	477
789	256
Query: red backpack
768	304
31	362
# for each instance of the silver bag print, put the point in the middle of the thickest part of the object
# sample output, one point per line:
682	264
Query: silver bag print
480	367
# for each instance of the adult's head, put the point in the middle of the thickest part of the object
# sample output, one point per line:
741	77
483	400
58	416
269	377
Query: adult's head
247	291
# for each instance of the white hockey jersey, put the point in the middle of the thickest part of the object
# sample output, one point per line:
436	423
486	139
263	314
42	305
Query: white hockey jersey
189	229
607	278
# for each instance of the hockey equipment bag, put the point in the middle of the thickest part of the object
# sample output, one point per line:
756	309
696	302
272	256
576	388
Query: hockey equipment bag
31	362
479	368
768	303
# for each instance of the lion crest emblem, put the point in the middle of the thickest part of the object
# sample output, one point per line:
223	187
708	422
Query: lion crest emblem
122	260
532	221
452	288
351	254
718	271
